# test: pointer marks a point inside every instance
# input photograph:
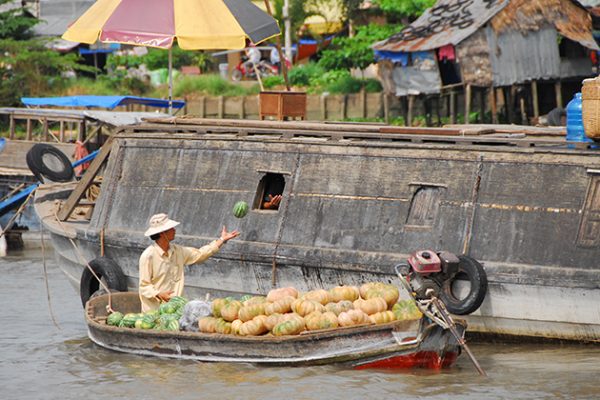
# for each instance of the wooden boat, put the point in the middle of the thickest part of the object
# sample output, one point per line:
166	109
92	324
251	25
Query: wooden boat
358	199
400	344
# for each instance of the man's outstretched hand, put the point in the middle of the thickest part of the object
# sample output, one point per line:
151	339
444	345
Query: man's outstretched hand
226	236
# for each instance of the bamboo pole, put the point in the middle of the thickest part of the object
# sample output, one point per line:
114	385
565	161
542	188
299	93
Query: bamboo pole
281	57
534	95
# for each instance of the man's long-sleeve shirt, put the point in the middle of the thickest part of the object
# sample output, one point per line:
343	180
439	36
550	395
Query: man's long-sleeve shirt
162	271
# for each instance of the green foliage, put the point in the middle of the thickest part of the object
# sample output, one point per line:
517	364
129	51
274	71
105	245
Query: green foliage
297	14
269	82
408	8
212	85
14	24
159	58
356	52
28	68
301	75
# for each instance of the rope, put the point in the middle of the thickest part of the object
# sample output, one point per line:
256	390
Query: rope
109	308
46	279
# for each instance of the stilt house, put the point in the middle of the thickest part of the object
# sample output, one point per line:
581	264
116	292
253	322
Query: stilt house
488	44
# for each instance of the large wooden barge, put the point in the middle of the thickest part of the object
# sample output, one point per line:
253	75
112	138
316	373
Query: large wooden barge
357	200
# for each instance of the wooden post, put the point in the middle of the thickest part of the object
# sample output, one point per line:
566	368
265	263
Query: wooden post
11	128
523	112
452	106
344	107
467	103
558	94
411	104
28	129
494	104
534	98
363	102
61	131
510	97
221	111
243	108
203	107
481	118
323	100
437	110
427	106
45	129
81	133
386	108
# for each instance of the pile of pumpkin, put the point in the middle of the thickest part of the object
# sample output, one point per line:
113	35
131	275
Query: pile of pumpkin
285	312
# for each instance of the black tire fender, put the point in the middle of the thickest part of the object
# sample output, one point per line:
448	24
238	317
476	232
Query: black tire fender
470	270
47	161
106	269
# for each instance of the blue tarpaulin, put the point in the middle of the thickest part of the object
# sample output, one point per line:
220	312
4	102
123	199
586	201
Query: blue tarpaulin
108	102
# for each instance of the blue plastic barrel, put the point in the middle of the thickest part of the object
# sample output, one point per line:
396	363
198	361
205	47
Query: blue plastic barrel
575	131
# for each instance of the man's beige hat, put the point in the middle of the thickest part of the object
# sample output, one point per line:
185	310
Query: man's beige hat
160	223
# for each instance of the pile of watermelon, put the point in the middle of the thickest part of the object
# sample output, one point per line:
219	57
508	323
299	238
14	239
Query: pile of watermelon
166	318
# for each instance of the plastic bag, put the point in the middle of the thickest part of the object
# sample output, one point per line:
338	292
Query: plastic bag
192	312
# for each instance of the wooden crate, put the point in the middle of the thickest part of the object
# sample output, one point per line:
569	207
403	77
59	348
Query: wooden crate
282	105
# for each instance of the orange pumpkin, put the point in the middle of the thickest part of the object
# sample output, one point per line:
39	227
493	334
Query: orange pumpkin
340	293
319	295
235	326
304	307
217	304
339	307
277	294
281	306
317	320
229	311
208	324
223	326
254	327
248	312
273	320
371	306
254	300
353	317
382	317
292	326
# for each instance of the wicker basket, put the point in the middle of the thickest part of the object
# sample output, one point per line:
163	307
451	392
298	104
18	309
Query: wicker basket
590	107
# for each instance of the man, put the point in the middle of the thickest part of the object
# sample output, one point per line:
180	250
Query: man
161	264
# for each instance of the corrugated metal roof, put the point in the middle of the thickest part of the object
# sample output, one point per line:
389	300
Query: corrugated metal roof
568	17
57	15
448	22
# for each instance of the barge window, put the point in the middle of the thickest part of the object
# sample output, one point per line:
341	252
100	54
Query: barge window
589	228
424	206
270	186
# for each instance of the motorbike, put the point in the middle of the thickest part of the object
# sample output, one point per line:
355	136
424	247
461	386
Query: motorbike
460	282
242	71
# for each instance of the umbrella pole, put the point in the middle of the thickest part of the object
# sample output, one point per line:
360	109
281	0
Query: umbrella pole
281	57
171	80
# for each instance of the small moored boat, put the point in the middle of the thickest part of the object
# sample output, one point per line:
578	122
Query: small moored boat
399	344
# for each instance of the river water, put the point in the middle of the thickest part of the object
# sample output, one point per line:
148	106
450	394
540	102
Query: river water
42	361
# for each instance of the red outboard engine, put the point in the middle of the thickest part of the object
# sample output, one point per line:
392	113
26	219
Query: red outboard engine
459	281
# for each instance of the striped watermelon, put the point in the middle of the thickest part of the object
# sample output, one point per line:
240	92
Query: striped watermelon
240	209
114	319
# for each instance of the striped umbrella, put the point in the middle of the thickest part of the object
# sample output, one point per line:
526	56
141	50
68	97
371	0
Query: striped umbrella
196	24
